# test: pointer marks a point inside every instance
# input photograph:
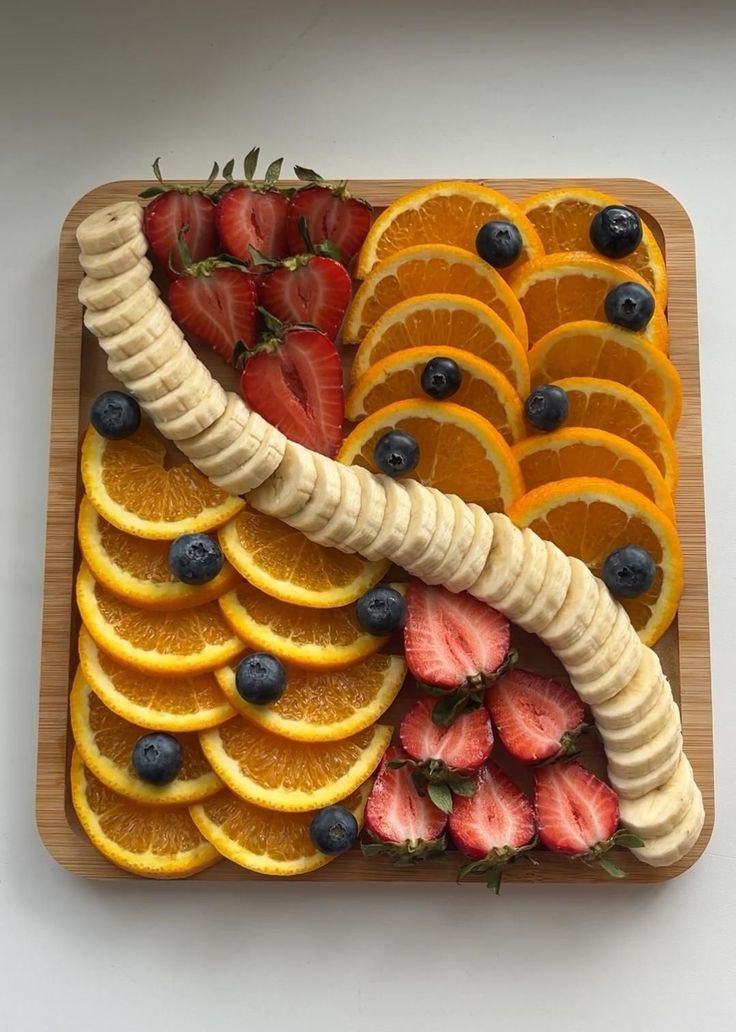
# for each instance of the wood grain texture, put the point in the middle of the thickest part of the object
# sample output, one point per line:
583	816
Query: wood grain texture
79	374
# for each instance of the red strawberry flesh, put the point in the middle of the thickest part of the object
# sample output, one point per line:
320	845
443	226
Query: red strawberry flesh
463	746
497	817
450	638
218	308
575	809
343	221
533	714
166	216
396	813
249	218
309	289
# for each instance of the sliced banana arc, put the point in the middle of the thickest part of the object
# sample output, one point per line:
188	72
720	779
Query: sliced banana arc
668	849
226	430
109	321
258	468
525	589
435	552
119	260
551	595
320	508
636	697
108	228
196	419
638	785
345	517
290	487
395	521
662	809
150	359
99	294
504	562
372	512
653	721
577	610
477	554
131	341
463	531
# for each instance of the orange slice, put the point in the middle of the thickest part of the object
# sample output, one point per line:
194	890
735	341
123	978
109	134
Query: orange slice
325	706
564	288
607	405
323	639
266	841
429	269
442	213
398	377
106	741
286	565
159	703
153	841
189	641
128	484
459	451
280	774
137	569
562	219
587	452
589	517
445	321
609	353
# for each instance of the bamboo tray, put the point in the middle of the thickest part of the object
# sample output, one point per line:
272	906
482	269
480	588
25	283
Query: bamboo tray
80	374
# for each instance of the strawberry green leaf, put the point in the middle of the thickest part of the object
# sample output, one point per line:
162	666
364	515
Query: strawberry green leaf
610	868
273	172
250	163
441	796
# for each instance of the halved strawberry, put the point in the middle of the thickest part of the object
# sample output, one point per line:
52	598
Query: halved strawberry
578	814
177	212
294	380
331	214
251	214
309	288
405	825
493	825
217	303
537	718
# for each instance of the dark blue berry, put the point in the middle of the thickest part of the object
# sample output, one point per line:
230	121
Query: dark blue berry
441	378
333	830
115	415
396	453
499	243
629	305
195	558
260	678
546	407
615	231
629	571
381	611
157	758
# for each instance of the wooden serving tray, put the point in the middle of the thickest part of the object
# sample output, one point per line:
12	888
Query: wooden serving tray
80	374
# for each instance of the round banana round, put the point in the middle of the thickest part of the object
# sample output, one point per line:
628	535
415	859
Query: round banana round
577	610
241	449
119	260
290	487
313	516
552	593
183	397
640	760
611	681
504	561
631	737
131	341
345	517
108	228
435	552
421	527
225	430
525	589
595	634
157	387
395	521
259	467
463	530
198	418
639	785
372	511
668	849
99	294
660	811
156	354
109	321
477	554
637	697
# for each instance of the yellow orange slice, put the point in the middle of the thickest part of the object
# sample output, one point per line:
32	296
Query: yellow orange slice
285	564
280	774
129	485
152	841
325	705
398	377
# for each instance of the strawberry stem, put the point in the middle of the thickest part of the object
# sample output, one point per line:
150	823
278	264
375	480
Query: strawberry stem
184	188
409	852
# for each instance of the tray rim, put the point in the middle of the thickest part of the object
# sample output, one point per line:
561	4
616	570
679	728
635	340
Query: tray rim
71	849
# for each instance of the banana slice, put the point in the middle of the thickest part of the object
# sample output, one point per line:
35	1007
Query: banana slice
343	520
528	584
434	554
504	561
631	763
604	615
612	645
153	357
662	809
395	520
631	737
422	524
117	261
290	487
223	432
240	450
677	843
551	595
476	557
615	677
636	698
198	418
372	511
463	530
639	785
262	463
159	385
135	338
320	508
577	610
110	227
100	294
182	398
124	314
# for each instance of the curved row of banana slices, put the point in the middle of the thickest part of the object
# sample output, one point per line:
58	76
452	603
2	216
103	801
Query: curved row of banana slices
438	538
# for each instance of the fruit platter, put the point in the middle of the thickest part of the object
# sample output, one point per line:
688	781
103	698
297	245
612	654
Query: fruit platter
375	544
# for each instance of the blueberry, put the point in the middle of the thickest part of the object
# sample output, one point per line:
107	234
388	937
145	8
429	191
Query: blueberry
333	830
260	678
441	378
546	407
381	611
157	758
629	571
396	453
615	231
630	306
195	558
499	243
115	415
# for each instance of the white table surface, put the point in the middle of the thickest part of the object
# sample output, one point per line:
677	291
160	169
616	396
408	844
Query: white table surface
91	92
